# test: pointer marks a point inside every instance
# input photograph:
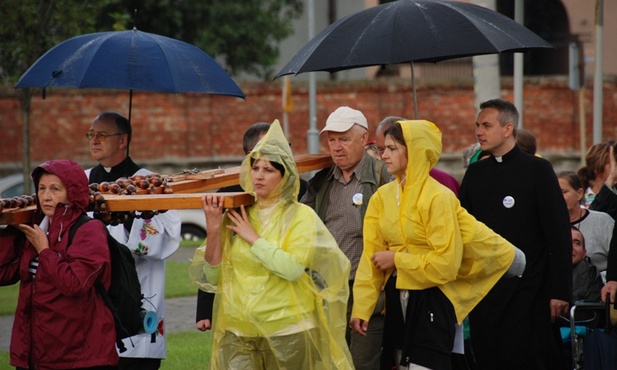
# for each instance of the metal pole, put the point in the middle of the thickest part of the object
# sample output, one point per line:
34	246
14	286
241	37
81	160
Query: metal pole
413	86
285	97
519	17
312	135
598	75
582	123
486	69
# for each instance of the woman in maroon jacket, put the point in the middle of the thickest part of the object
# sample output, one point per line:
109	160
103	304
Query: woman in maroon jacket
61	321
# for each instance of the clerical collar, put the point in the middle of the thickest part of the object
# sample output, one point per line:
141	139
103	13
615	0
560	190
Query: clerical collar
509	155
126	168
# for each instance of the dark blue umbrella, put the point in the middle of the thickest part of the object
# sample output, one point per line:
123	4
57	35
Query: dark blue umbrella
132	60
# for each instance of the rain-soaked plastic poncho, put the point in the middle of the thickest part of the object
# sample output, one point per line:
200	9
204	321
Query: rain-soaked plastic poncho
442	245
263	319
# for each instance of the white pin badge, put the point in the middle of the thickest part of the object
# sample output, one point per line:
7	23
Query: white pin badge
508	202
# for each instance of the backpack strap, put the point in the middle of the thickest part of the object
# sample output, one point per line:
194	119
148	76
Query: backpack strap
97	284
82	219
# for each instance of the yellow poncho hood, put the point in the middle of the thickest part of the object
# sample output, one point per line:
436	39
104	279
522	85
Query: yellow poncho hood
273	147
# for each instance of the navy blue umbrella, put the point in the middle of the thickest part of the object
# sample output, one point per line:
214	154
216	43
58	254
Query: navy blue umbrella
132	60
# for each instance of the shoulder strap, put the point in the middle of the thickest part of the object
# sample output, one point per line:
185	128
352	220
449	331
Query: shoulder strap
80	221
97	284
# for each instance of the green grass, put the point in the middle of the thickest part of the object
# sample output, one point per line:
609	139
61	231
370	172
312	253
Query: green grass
8	299
188	350
177	282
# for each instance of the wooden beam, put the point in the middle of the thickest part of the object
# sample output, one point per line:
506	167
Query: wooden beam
186	192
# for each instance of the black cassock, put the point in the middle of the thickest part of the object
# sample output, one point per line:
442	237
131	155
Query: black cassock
519	198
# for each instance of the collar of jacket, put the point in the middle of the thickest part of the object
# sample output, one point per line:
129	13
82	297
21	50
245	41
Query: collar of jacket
372	175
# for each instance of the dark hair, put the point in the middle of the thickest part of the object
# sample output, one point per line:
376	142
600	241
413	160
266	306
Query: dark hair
507	112
572	178
396	131
251	136
279	167
572	227
122	123
526	141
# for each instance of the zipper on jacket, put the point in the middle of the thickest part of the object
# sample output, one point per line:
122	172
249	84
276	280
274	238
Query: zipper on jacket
31	351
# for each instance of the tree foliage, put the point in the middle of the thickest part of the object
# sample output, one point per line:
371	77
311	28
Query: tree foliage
242	35
31	27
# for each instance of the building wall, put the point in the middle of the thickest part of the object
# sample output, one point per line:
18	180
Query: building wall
582	17
175	132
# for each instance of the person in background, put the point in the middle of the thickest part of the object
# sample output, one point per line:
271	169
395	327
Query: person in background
586	281
598	177
597	227
261	260
205	300
151	240
340	194
517	195
443	177
526	141
473	153
61	321
371	148
435	259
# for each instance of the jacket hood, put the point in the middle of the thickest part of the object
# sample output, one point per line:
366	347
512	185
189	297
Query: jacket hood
73	177
273	147
423	141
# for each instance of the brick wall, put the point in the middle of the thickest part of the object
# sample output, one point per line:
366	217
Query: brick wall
194	130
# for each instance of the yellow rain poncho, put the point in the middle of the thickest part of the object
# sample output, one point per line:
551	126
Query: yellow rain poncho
439	243
280	303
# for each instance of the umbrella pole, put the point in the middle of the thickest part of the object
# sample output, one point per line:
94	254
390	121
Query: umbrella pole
413	87
130	106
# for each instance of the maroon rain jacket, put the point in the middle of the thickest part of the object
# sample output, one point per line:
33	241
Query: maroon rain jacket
61	322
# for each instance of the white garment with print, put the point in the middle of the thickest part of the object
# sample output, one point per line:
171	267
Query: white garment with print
151	241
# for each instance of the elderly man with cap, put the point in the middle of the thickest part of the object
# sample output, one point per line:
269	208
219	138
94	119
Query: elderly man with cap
340	195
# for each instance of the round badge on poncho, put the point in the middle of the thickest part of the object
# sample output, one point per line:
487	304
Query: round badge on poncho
508	202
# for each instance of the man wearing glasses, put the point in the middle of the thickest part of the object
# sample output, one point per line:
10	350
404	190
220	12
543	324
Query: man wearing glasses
150	240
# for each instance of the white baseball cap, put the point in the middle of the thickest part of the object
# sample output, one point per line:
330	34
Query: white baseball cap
343	118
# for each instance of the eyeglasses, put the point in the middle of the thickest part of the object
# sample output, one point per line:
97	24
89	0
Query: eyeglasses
99	135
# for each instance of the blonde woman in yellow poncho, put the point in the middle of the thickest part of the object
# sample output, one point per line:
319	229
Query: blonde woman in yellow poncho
435	260
281	281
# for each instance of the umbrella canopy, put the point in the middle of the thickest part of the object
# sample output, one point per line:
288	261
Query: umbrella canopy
411	31
407	31
131	60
